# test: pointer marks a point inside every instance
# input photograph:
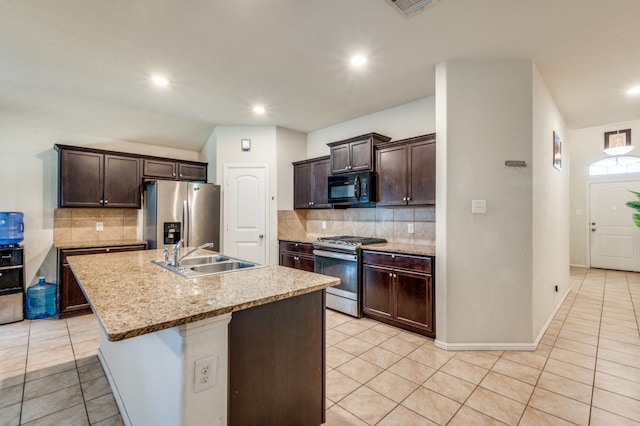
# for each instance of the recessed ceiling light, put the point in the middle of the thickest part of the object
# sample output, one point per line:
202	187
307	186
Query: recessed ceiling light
160	80
358	61
259	109
633	90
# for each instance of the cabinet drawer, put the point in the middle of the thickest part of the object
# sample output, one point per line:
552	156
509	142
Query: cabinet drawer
101	250
305	248
415	263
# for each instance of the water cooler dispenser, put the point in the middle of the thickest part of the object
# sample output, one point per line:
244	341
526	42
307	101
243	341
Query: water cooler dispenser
11	284
11	267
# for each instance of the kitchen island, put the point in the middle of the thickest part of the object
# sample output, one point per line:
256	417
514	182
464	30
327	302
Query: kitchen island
244	347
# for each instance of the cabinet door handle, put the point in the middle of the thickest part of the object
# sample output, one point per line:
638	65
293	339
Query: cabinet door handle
404	198
390	274
106	202
408	198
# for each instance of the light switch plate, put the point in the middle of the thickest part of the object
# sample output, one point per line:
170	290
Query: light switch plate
324	224
478	206
99	226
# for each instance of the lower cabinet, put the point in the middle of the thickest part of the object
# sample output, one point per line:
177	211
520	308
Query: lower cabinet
399	290
297	255
71	299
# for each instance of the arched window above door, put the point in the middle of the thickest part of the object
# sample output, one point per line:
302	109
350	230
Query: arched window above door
615	165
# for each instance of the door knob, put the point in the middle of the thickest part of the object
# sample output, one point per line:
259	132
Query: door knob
593	229
261	235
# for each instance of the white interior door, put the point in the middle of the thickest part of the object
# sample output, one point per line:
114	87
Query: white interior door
245	201
615	239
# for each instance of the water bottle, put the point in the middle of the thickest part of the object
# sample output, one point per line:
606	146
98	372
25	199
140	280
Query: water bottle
11	228
41	300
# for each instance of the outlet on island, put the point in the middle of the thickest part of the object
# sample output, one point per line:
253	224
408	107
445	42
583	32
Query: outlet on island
99	226
205	371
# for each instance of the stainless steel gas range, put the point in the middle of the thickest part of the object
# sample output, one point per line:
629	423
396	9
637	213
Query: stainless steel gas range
340	257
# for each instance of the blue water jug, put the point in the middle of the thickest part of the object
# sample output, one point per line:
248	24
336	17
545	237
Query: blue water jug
11	228
41	300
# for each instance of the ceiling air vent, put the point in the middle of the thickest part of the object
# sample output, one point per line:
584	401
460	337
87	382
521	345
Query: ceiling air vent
409	7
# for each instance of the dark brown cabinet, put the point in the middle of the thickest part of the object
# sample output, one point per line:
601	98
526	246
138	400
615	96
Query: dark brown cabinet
399	290
354	154
277	363
407	171
93	179
71	299
297	255
166	169
310	183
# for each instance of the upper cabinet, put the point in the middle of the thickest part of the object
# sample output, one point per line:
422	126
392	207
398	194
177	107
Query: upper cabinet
310	183
407	171
93	179
354	154
180	170
97	178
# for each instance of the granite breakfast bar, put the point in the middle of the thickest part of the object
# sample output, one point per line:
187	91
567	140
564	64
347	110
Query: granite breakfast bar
258	334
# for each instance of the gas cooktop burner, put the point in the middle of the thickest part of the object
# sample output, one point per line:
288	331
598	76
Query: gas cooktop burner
346	241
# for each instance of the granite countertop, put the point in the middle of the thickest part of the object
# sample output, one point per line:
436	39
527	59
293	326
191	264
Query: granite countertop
96	244
131	296
421	249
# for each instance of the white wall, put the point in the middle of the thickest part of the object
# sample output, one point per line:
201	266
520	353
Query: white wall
550	206
403	121
290	146
29	183
263	151
588	145
484	261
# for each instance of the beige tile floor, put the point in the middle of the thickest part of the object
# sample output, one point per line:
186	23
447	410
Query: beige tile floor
586	370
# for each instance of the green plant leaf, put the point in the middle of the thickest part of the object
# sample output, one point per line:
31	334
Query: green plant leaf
634	205
636	219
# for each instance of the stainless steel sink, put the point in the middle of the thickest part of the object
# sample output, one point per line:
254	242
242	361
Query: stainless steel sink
213	268
203	260
195	267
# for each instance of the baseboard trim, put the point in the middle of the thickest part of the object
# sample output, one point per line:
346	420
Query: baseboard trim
503	346
575	265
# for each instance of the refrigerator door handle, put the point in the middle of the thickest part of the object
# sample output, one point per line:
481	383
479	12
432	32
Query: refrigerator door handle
185	223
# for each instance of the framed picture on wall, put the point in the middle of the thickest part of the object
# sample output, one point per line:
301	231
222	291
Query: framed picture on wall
557	151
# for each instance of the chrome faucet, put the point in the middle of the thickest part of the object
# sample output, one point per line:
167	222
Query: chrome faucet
178	261
174	253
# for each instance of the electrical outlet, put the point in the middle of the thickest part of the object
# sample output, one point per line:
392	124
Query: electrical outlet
410	228
99	226
324	224
204	374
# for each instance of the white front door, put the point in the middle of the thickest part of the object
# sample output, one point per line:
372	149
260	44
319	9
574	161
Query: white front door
615	239
245	207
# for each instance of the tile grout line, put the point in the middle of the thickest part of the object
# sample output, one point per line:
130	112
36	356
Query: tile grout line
75	362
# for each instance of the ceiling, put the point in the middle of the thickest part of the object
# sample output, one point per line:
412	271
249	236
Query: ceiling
83	66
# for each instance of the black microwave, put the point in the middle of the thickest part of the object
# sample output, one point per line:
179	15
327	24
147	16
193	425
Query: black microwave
352	188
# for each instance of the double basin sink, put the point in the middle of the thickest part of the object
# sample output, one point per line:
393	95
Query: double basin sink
194	267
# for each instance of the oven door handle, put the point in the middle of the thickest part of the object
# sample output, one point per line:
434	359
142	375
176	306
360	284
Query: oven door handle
335	255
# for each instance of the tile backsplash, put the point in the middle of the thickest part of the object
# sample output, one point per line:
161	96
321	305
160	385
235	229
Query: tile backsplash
75	225
391	224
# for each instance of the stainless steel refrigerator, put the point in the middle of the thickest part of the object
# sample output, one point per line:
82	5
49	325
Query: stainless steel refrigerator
181	210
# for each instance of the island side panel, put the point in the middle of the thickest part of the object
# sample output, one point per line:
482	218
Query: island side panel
277	363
